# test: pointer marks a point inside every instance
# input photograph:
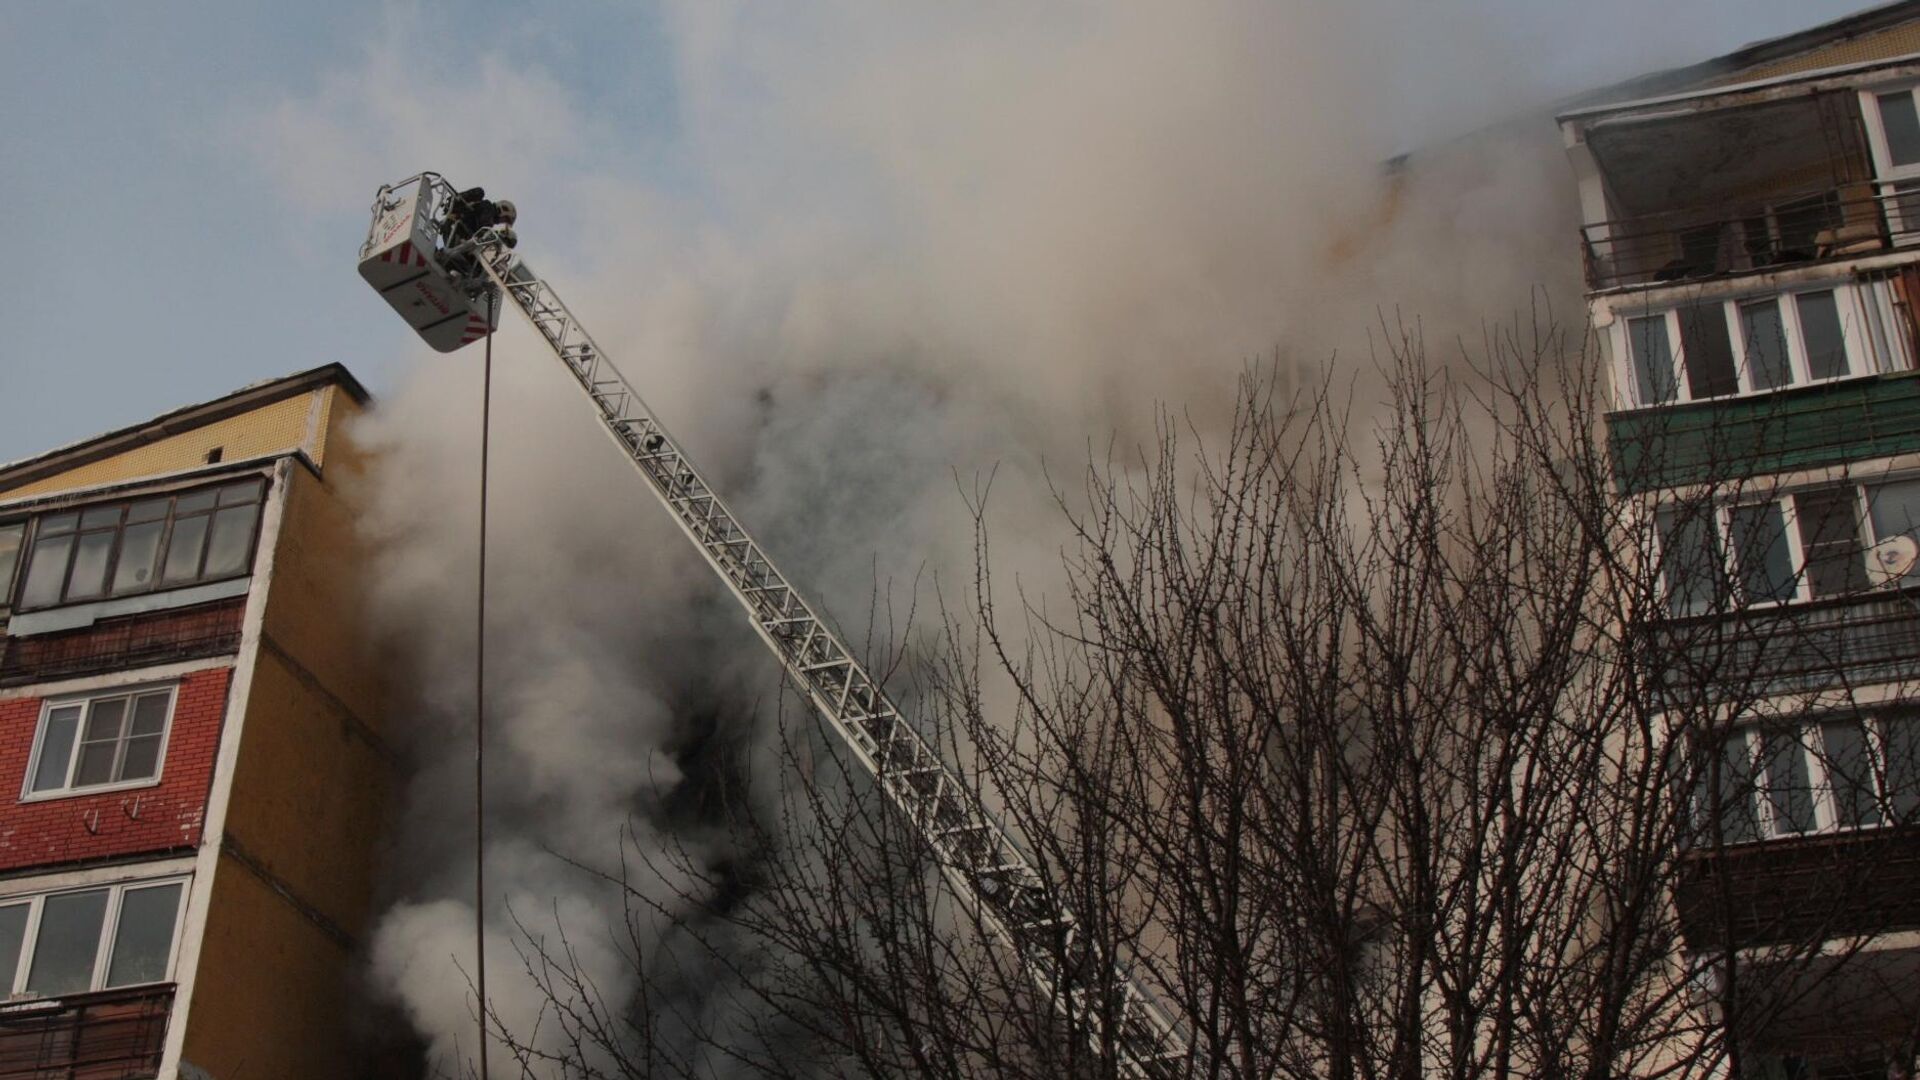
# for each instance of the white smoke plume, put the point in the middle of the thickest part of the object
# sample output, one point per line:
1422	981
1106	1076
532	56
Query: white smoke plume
863	250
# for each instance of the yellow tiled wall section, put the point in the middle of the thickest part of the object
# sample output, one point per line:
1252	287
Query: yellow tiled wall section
337	410
1883	45
290	423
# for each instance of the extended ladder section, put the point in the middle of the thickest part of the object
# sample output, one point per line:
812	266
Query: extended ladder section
975	854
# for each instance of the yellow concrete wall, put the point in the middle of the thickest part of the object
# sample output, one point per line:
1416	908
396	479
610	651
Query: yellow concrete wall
1882	45
297	422
273	994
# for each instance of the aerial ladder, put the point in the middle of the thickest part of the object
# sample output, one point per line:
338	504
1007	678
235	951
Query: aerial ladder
443	258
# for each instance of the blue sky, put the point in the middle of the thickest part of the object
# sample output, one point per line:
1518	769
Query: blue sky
186	183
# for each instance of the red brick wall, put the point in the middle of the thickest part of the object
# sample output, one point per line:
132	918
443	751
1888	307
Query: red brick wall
170	814
122	643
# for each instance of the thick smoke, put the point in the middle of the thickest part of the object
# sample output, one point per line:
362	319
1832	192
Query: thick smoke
876	253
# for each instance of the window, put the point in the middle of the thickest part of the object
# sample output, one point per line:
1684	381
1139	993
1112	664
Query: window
1893	509
1900	125
89	939
10	536
113	740
1893	129
1762	552
1812	775
1691	560
158	543
1744	345
1808	545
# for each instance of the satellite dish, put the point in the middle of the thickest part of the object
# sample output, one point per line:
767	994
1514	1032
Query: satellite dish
1892	559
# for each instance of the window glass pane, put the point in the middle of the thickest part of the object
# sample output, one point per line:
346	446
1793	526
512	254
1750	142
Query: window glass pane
194	500
232	540
1707	351
1760	552
139	548
54	524
13	929
90	566
46	571
68	943
1843	744
1726	785
1902	744
142	758
1894	510
1690	559
148	510
144	939
1830	541
9	558
183	550
150	713
1820	328
1766	344
247	491
1652	360
101	743
1902	125
100	517
1783	754
56	748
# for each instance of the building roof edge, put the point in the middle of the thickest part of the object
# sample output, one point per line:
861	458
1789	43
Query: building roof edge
187	417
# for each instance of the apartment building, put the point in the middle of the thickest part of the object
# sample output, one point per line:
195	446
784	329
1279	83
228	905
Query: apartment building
1752	254
189	744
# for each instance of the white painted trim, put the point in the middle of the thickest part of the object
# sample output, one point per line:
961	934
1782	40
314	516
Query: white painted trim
1623	300
112	679
22	884
193	929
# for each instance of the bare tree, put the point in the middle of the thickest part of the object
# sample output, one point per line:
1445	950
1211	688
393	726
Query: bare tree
1382	742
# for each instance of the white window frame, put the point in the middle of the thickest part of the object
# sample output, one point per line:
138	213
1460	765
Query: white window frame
68	790
1824	793
1888	176
1796	554
15	990
1849	299
1789	506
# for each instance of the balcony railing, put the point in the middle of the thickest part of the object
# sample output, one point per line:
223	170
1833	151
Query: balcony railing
1698	244
1801	890
127	641
1752	652
112	1035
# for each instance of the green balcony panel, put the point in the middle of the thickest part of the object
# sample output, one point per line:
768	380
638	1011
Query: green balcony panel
1731	438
